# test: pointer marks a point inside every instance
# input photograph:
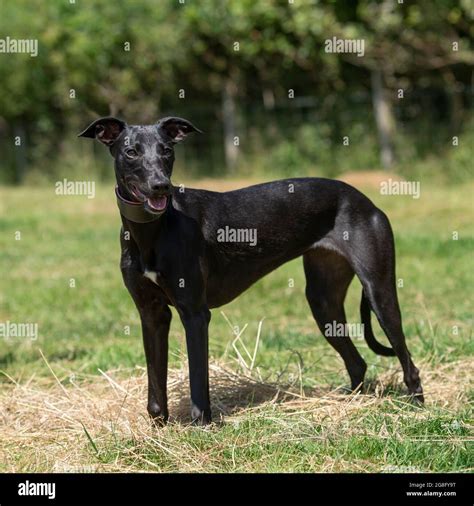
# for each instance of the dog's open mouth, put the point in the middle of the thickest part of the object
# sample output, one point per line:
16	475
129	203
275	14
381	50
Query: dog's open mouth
157	203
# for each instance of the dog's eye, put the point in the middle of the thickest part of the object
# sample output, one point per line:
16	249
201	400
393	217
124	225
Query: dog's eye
131	153
168	151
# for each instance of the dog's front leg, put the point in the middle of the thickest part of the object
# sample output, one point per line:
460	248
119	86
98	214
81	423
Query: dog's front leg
196	325
155	316
155	328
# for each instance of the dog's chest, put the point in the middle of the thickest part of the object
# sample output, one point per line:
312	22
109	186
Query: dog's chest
152	276
152	266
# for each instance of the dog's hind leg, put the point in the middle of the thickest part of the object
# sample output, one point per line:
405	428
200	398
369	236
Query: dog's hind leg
388	314
373	259
328	276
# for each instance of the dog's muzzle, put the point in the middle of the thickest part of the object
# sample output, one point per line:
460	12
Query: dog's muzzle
141	212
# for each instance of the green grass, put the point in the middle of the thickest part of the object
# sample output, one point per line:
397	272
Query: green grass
83	329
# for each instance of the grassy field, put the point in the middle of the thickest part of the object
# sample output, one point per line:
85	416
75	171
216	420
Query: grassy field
74	399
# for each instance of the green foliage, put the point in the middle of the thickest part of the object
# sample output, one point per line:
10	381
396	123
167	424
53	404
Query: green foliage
308	147
131	58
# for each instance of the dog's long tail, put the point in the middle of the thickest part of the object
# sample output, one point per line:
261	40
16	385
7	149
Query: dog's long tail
374	345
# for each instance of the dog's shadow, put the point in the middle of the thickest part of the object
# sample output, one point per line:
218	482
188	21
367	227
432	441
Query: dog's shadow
234	394
231	397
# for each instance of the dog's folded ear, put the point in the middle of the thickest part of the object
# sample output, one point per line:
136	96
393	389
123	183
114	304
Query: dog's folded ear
177	128
106	130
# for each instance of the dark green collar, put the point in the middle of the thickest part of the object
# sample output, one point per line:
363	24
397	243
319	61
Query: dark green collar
135	211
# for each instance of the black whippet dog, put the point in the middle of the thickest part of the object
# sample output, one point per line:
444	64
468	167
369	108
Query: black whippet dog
178	250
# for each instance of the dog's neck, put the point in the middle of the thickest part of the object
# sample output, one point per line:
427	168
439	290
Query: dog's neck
143	231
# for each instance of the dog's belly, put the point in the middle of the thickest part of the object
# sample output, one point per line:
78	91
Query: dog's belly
221	292
231	279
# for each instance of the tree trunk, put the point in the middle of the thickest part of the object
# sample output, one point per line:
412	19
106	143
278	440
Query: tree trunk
268	99
455	98
231	151
383	118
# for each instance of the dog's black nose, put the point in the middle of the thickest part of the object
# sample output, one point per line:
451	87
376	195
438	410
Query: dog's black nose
159	187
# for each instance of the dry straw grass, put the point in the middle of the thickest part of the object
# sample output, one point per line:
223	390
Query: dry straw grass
48	425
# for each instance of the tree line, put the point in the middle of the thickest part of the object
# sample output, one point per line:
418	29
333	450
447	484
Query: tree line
257	76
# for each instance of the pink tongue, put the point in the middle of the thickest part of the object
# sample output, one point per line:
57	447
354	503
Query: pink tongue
158	203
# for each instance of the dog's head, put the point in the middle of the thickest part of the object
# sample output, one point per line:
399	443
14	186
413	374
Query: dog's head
144	156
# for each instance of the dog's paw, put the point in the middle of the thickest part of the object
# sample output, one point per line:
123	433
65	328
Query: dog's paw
200	417
159	417
418	399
